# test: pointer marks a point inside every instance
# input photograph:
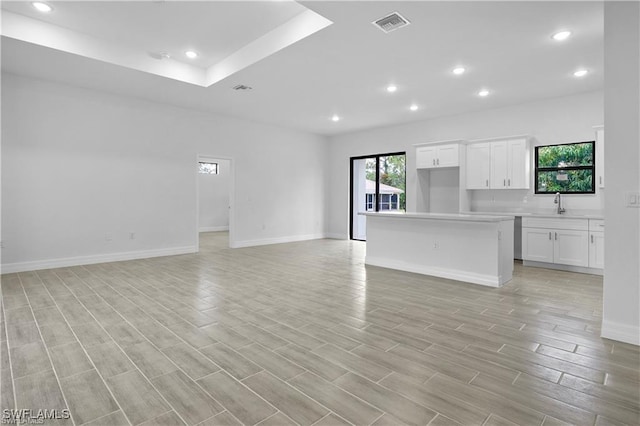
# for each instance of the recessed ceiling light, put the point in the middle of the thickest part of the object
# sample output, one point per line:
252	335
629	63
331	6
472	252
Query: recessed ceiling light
413	107
561	35
191	54
580	73
335	118
459	71
483	93
391	88
42	7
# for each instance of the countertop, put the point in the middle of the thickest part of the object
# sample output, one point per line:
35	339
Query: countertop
543	215
474	217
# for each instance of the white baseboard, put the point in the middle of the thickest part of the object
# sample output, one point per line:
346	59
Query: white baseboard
559	267
336	236
486	280
278	240
98	258
621	332
213	228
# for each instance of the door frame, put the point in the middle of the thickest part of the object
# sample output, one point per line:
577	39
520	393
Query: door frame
377	205
232	179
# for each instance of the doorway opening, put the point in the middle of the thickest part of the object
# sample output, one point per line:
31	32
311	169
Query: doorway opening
378	183
214	195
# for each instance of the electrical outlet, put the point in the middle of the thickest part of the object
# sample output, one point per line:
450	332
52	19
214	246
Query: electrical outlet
108	236
132	235
436	245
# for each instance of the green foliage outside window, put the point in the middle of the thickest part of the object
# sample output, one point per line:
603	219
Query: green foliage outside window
565	168
392	173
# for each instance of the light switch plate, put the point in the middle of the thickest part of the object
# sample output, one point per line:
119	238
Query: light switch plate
632	199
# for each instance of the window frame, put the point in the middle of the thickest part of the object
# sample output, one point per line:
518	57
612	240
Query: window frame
592	167
217	167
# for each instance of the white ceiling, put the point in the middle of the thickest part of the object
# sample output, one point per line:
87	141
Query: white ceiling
341	69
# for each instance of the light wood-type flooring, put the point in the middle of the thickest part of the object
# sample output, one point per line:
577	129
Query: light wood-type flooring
304	333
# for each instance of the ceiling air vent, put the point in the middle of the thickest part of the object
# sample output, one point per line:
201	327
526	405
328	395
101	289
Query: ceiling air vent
391	22
242	87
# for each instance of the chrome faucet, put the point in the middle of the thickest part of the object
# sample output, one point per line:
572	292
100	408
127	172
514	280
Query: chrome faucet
558	201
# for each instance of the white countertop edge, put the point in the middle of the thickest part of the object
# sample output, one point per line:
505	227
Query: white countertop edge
442	216
540	215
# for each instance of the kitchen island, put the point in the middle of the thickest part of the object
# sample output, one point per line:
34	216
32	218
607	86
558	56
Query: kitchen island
472	248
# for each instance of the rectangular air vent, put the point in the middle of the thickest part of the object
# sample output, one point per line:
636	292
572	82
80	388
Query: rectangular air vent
241	87
391	22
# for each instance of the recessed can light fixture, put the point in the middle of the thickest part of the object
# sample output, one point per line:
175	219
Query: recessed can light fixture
335	117
459	70
413	107
580	73
391	88
561	35
483	93
42	7
191	54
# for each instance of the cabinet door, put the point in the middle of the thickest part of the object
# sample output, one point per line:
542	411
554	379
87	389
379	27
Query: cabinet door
426	157
518	164
596	250
447	156
498	165
478	165
600	158
537	244
571	247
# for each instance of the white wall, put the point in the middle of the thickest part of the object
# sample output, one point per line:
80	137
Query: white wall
621	314
213	197
79	164
557	120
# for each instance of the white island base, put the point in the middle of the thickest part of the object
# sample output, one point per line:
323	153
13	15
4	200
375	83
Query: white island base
471	248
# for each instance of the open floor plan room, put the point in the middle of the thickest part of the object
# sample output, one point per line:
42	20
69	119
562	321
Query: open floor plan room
304	333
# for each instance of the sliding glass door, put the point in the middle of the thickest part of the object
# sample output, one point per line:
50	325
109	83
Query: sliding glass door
377	184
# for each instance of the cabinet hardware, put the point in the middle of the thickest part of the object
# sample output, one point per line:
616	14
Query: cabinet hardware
487	182
504	182
434	161
438	161
600	180
556	235
591	238
508	182
549	235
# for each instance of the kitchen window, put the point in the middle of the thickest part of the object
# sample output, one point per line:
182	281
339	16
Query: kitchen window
567	168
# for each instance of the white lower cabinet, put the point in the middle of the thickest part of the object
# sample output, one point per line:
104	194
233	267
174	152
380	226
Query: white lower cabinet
559	241
596	244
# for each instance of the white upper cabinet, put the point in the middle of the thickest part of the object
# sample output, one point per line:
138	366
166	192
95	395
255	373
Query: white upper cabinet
599	156
434	156
502	164
478	165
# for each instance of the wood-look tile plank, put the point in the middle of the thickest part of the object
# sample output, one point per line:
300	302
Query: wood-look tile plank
274	363
137	397
29	359
510	410
244	404
231	361
149	360
352	362
312	362
186	397
450	406
69	359
190	361
40	390
287	399
87	396
109	359
386	400
116	418
338	401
